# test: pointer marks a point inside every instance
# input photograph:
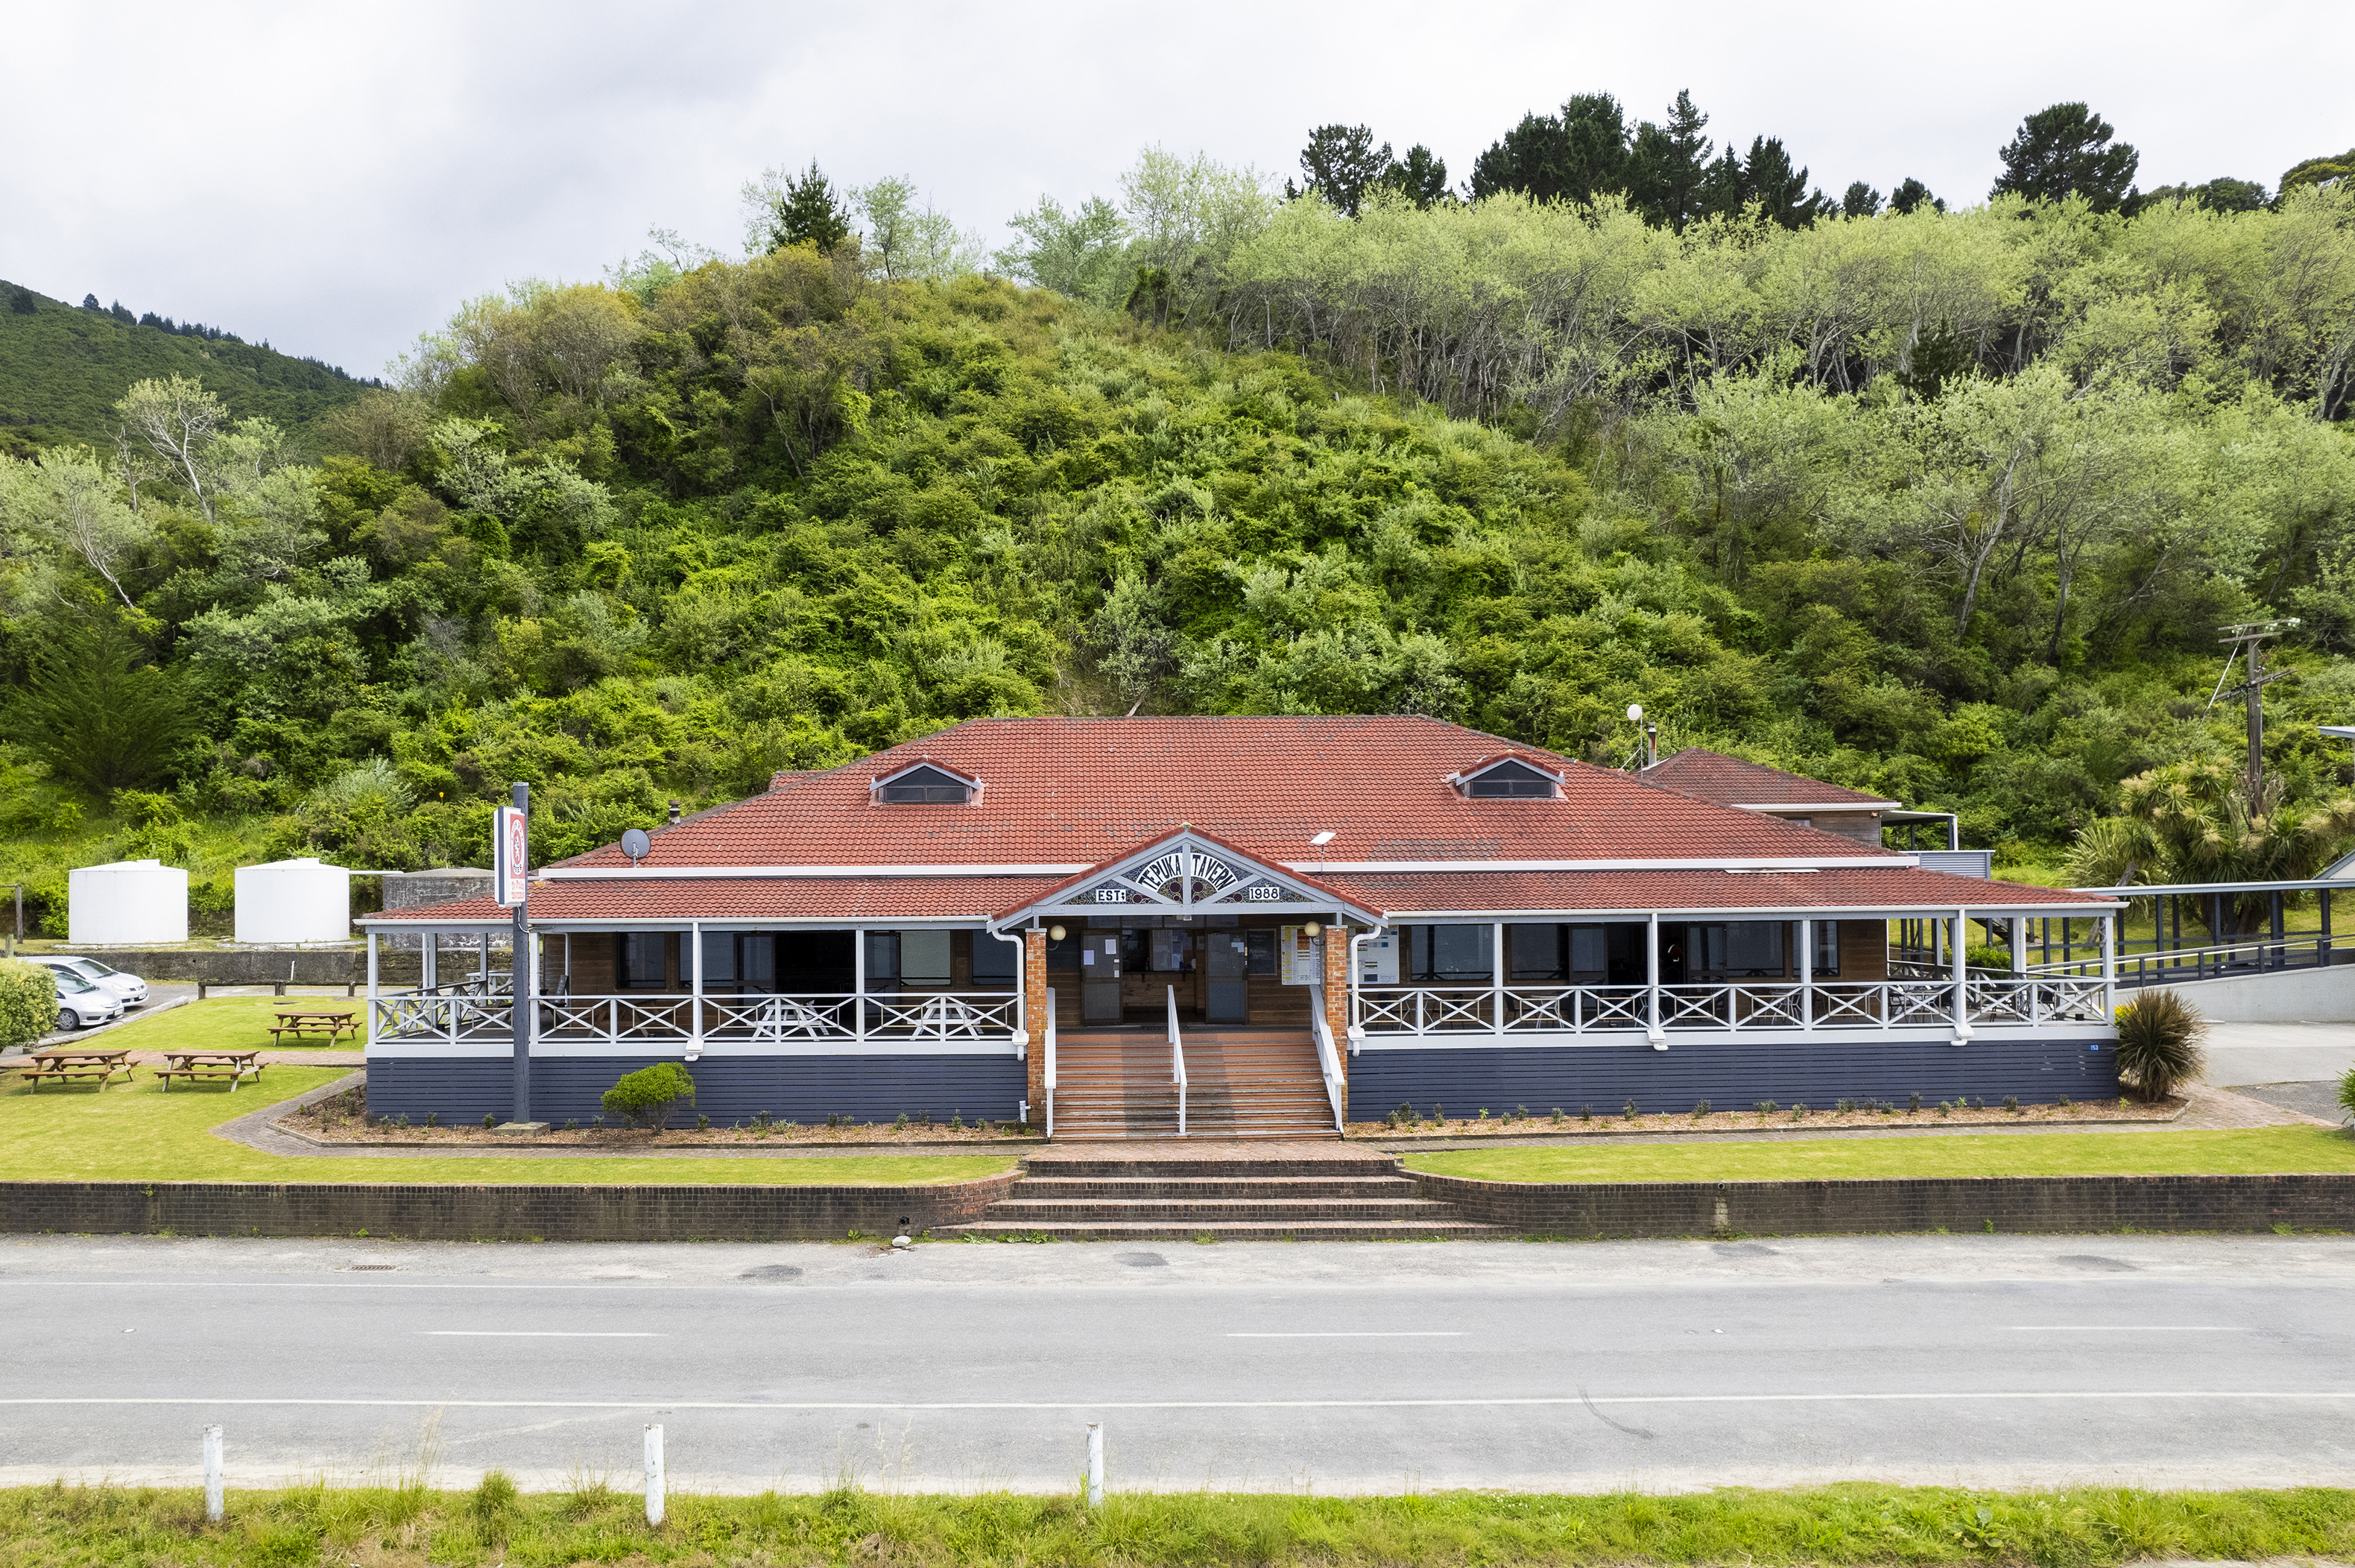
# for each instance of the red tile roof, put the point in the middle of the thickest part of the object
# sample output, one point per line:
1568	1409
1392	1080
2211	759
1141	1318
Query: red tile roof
855	899
850	900
1834	888
1075	792
1729	781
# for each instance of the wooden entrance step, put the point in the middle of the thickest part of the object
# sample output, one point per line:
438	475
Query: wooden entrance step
1241	1084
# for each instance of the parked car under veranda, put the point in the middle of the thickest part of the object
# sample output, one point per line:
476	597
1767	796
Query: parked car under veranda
130	989
81	1005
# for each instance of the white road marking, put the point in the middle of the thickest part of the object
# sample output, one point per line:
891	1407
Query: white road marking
2128	1329
527	1333
1360	1334
2298	1395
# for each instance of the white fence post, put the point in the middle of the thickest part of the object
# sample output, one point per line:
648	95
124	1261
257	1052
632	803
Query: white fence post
1095	1463
215	1499
654	1476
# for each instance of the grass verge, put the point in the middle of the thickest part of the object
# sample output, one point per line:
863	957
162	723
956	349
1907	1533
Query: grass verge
230	1023
394	1526
2263	1151
135	1132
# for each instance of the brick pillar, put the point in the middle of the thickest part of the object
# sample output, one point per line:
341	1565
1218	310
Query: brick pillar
1336	999
1034	1011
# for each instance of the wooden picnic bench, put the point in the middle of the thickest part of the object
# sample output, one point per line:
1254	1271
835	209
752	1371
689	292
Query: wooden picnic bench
62	1065
334	1025
199	1066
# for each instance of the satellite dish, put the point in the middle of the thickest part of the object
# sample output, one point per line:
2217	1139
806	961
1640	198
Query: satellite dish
636	844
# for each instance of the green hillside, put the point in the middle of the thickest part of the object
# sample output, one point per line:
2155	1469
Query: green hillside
1947	507
61	369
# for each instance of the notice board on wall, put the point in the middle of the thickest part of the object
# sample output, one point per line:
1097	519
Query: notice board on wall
1378	960
1300	958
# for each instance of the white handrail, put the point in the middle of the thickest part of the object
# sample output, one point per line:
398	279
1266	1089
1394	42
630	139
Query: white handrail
1329	1060
1177	1062
1050	1061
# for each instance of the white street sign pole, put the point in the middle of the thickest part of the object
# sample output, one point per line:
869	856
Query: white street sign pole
654	1476
215	1501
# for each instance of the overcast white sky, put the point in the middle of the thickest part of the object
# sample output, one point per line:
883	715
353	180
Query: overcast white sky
336	179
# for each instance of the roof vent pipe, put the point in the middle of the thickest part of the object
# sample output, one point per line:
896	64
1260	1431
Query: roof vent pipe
674	814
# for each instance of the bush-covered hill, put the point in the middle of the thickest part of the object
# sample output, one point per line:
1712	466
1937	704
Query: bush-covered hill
661	540
62	366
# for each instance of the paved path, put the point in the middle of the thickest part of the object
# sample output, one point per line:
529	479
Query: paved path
2278	1054
1991	1360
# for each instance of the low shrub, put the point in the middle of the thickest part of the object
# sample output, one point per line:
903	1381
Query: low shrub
2161	1040
646	1096
28	1002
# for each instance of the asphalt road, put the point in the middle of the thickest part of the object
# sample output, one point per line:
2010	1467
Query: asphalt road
1993	1360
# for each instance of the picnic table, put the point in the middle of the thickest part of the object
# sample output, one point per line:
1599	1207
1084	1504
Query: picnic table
297	1022
63	1064
199	1065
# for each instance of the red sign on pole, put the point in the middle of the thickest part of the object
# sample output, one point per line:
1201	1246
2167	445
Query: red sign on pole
511	856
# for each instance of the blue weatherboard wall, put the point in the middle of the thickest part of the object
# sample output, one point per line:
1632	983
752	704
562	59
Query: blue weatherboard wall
728	1089
1733	1075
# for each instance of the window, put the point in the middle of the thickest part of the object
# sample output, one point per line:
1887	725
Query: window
1509	780
645	960
922	785
1827	947
1750	947
924	957
1450	954
1539	954
718	958
995	963
1259	957
1590	950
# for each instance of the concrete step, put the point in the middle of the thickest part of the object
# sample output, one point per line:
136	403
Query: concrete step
1134	1188
1178	1167
1433	1229
1023	1213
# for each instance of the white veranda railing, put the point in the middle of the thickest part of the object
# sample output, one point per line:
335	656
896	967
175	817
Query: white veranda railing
1729	1006
841	1018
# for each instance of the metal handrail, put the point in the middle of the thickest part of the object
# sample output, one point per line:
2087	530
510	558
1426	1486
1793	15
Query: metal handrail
1328	1061
1177	1062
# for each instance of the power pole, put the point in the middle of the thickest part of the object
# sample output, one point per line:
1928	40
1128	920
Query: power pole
2248	643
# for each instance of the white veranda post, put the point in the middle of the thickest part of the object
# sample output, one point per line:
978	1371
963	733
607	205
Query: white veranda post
1807	974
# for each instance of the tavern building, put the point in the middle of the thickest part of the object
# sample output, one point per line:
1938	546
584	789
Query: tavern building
1116	926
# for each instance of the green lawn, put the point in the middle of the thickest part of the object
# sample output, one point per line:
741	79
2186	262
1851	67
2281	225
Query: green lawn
137	1132
2268	1150
408	1526
230	1023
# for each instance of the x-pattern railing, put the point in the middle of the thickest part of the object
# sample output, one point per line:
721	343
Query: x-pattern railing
1733	1007
663	1020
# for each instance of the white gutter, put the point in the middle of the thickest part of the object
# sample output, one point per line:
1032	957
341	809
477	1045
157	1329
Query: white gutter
1810	863
748	873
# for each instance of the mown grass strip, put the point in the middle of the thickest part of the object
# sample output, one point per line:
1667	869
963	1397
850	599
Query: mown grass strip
2263	1151
395	1527
135	1132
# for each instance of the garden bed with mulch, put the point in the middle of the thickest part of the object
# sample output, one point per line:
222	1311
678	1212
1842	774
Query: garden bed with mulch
342	1121
1518	1123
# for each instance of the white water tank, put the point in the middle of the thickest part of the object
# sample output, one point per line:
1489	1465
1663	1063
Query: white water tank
294	901
127	902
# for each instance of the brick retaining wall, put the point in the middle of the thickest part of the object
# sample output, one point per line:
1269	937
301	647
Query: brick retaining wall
2047	1204
504	1214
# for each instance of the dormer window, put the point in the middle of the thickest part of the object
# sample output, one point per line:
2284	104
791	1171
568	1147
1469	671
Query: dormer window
926	784
1509	778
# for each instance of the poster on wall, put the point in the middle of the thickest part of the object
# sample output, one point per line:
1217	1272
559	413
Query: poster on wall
1378	960
1300	958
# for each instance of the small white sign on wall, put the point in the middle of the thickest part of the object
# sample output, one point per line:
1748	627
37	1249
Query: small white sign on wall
1378	960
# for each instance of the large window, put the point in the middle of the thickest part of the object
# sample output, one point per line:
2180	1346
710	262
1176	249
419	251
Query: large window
1451	954
1826	961
995	964
718	958
644	955
1742	948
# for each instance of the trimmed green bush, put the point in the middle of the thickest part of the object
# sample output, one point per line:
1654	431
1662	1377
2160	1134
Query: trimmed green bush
28	1002
2159	1044
646	1096
2347	1094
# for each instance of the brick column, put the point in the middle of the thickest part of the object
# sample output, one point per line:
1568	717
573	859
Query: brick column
1034	1011
1336	999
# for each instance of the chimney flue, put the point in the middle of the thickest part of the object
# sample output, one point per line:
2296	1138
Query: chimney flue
674	814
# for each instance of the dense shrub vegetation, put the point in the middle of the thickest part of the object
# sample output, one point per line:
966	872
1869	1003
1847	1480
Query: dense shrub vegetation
1948	505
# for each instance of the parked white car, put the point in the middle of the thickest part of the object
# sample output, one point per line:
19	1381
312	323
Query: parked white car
129	987
81	1005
